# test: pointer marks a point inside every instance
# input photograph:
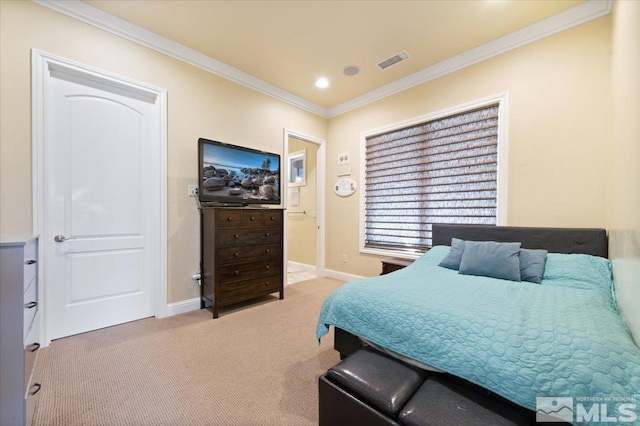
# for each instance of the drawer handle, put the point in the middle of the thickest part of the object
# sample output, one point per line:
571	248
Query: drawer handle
267	234
236	236
267	267
273	218
266	284
236	272
31	305
34	347
30	262
253	218
236	254
229	219
33	392
267	251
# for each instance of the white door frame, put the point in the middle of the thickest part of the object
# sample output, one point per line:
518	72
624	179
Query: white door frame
320	198
41	65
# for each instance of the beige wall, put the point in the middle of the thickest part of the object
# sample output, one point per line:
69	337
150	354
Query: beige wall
199	105
559	131
624	188
301	229
558	134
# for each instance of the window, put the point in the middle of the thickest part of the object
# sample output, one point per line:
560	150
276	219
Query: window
442	168
296	173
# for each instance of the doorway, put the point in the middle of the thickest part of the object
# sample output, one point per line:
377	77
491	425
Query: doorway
304	204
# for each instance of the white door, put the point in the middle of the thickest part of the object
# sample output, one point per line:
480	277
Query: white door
100	149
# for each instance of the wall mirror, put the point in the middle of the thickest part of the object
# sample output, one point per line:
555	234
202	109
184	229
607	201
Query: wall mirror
297	170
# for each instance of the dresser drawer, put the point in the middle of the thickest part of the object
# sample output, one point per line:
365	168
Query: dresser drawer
252	219
253	253
232	273
235	238
30	263
31	347
30	306
229	219
249	289
33	392
257	219
270	218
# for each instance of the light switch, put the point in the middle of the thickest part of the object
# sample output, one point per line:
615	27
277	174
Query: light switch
344	163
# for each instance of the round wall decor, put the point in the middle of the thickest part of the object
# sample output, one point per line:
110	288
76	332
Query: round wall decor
345	187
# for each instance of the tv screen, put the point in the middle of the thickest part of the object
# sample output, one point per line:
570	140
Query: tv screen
231	174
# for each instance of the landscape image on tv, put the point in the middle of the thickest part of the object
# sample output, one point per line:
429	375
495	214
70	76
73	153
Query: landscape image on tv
246	175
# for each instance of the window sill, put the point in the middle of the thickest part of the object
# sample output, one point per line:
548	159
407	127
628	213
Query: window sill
391	253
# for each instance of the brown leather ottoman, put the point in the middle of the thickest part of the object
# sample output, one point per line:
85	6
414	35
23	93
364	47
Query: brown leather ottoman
372	388
368	387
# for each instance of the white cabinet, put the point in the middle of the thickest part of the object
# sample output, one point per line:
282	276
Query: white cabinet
19	330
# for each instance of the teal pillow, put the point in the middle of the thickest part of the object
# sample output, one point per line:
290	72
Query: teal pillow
491	259
453	258
532	265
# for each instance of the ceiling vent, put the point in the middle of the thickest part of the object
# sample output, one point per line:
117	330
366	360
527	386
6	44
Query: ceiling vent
395	59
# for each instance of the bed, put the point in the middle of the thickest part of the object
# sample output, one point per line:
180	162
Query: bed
562	337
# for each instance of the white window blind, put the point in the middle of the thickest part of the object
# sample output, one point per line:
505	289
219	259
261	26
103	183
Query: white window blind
440	171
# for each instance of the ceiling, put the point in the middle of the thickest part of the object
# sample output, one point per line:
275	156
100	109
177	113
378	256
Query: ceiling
289	44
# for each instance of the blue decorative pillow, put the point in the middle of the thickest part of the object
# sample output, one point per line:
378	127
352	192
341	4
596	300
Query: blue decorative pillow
491	259
453	258
532	265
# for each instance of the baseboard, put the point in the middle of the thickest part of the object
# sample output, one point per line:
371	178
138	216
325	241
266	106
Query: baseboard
342	276
189	305
183	306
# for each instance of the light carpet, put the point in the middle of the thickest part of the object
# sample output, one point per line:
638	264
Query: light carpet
258	364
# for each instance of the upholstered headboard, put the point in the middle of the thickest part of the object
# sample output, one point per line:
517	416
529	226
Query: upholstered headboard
556	240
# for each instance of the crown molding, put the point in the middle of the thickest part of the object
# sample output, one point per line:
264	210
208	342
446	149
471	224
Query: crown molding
585	12
93	16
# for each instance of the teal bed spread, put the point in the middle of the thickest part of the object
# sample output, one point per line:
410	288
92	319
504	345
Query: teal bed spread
561	338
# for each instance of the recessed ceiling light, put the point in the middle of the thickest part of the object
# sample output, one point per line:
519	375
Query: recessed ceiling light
351	70
322	83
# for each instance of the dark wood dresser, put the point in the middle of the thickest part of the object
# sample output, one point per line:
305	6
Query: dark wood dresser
241	255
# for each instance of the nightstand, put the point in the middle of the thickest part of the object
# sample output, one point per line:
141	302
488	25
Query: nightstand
390	265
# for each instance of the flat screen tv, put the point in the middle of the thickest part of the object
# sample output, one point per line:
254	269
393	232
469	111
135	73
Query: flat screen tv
236	175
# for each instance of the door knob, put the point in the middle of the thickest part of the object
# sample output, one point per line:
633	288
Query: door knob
61	238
